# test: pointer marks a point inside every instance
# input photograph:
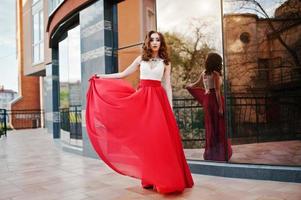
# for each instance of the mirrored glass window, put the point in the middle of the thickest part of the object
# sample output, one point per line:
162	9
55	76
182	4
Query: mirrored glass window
263	75
70	87
192	31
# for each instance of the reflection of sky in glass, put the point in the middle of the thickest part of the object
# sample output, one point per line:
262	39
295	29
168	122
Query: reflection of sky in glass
63	60
269	6
179	15
8	59
74	55
69	57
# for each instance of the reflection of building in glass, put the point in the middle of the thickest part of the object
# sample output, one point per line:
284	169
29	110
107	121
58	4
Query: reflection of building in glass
6	96
75	94
264	73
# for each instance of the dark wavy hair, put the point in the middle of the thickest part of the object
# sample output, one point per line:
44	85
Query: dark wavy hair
214	62
147	51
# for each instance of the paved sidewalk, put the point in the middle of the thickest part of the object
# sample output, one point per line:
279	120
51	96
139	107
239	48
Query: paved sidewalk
33	167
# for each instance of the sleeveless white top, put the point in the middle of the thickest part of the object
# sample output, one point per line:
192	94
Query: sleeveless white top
152	70
208	82
149	70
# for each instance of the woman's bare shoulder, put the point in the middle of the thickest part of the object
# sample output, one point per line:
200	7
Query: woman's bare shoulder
138	58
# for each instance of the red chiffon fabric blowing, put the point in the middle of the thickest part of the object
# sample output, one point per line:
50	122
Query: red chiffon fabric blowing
135	133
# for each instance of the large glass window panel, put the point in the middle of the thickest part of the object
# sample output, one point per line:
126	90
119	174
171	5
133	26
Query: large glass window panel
53	4
75	67
41	51
36	53
64	90
41	25
192	30
75	83
38	34
70	87
64	73
35	1
36	31
263	76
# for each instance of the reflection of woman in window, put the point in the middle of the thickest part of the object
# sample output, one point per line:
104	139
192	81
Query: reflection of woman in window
217	147
135	131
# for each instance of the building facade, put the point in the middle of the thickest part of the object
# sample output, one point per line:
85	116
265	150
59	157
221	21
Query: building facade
63	43
29	84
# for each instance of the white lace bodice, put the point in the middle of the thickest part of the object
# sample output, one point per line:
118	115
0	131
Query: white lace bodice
152	70
208	82
149	70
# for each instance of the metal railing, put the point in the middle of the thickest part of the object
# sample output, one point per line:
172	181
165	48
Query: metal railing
264	118
3	122
71	121
23	119
283	76
189	116
190	119
250	119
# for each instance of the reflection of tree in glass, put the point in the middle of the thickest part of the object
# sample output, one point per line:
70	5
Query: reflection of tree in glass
187	55
194	132
64	97
286	14
190	120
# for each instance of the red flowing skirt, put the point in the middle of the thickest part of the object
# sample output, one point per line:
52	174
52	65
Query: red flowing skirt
217	146
135	133
198	93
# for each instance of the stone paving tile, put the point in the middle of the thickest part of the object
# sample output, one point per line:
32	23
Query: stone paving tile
34	168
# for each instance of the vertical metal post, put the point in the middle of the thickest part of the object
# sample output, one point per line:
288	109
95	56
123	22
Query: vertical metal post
5	125
226	113
76	127
115	37
257	119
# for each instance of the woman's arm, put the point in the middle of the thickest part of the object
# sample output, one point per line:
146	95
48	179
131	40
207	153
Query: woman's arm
166	83
199	82
218	95
129	70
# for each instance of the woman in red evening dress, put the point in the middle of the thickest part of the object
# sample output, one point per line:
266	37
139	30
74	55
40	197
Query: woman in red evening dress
207	91
134	131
